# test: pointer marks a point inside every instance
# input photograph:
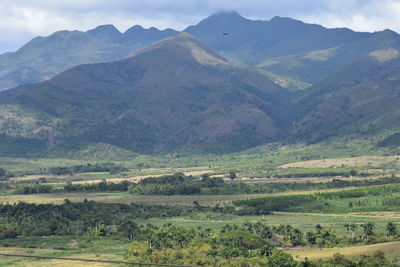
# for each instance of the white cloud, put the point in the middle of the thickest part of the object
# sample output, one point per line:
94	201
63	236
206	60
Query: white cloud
367	16
21	20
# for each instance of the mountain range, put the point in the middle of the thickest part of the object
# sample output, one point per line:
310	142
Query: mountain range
152	91
174	93
44	57
286	47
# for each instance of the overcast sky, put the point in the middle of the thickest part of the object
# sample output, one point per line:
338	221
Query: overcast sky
21	20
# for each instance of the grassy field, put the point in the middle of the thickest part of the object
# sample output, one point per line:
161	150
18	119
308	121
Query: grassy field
391	250
93	177
256	162
273	163
364	161
126	198
105	249
303	221
137	178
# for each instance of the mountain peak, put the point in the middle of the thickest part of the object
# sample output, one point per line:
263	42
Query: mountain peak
219	21
225	18
139	29
107	29
387	33
232	14
134	29
276	18
186	42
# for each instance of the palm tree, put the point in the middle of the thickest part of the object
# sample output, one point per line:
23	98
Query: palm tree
391	229
368	229
318	228
347	226
353	228
311	238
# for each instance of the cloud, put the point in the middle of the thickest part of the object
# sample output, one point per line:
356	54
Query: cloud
25	19
359	15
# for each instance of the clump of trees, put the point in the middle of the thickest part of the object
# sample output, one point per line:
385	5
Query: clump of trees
103	186
230	246
176	184
339	260
251	244
73	218
4	175
99	167
33	189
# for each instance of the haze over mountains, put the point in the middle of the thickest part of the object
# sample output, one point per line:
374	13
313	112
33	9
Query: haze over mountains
184	93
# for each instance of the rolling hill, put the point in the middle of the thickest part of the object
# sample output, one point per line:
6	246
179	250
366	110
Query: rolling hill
314	66
176	94
361	99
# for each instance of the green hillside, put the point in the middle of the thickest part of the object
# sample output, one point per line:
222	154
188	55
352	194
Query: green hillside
44	57
314	66
175	94
361	99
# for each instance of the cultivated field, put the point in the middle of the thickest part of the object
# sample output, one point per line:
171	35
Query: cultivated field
391	250
287	180
125	198
303	221
365	161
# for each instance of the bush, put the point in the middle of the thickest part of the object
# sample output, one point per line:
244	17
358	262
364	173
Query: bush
280	259
8	234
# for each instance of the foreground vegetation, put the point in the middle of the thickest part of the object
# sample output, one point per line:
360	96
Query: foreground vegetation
385	198
250	242
264	207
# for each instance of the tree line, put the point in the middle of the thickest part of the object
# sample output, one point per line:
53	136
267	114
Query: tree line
266	205
179	184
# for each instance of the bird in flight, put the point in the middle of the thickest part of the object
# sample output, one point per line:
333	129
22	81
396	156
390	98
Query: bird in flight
225	33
